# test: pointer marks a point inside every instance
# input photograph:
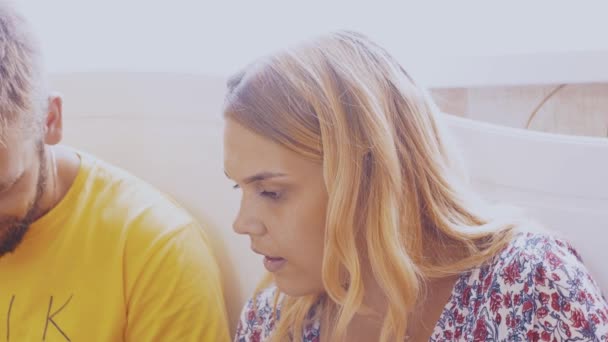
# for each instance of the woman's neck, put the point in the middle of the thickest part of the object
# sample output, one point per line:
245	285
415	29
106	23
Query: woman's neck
422	321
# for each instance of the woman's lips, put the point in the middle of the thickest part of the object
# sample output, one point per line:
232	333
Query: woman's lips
274	264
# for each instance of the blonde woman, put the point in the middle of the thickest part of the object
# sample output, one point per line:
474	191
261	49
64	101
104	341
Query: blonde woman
352	197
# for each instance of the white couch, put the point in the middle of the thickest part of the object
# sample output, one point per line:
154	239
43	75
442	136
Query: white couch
167	129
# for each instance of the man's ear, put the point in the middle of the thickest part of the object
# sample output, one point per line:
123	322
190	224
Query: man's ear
53	124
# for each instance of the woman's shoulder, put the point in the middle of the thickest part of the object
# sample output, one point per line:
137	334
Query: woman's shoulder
538	286
539	259
258	316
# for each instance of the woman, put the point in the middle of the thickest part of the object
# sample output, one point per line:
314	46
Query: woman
369	233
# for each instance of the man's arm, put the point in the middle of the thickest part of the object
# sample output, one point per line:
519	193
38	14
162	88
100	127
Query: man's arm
174	289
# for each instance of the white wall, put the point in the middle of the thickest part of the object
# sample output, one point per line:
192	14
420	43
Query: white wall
442	43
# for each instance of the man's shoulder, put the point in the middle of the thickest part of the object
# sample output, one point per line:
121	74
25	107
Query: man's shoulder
120	199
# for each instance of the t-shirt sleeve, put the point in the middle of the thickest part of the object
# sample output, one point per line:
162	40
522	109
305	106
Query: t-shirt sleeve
568	304
174	290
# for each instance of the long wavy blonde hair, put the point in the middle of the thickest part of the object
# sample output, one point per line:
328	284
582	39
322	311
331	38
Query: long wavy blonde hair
397	200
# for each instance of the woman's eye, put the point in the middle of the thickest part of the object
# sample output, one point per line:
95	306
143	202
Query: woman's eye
270	194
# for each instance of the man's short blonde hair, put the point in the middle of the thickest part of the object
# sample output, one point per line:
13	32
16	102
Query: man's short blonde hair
23	94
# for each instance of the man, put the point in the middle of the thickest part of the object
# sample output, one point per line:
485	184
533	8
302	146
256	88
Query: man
88	252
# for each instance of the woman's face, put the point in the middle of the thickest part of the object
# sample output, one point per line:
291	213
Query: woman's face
283	205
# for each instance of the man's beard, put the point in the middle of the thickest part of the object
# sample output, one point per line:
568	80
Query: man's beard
13	230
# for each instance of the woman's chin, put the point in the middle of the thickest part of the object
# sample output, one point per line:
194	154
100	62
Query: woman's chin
297	287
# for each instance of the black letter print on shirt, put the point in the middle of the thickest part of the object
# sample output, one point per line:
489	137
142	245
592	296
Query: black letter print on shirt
49	318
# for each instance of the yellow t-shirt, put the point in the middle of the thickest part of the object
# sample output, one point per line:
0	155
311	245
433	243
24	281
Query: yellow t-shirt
115	260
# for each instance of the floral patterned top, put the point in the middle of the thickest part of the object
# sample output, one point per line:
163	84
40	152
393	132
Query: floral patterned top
537	289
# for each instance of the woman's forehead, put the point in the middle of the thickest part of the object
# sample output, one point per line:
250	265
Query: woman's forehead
247	153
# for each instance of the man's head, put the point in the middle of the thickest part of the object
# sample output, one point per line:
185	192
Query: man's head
30	119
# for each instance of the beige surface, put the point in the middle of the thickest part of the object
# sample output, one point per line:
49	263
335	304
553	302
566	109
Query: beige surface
166	128
577	109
